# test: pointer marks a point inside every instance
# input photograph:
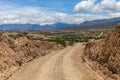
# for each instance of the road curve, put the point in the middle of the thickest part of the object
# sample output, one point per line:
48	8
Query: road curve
60	65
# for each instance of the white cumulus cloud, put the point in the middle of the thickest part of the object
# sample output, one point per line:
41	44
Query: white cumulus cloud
98	6
36	15
85	5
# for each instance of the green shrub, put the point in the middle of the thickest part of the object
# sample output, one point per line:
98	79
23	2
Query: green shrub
58	41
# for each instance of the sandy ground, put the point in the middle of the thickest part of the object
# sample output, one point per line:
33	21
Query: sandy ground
64	64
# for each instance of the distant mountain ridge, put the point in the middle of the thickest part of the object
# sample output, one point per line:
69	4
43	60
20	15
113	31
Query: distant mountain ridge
102	21
22	27
95	24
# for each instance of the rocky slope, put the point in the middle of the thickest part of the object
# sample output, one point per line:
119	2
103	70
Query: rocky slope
106	53
16	52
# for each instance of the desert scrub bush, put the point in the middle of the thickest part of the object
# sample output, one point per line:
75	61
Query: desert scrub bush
1	33
31	38
71	42
25	33
58	41
15	36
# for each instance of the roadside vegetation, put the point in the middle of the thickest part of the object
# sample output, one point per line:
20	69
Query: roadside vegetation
63	38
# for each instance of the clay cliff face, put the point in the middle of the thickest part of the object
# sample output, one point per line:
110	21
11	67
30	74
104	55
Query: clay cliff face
106	52
16	52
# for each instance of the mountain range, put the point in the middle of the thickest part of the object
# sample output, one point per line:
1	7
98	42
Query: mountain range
29	27
95	24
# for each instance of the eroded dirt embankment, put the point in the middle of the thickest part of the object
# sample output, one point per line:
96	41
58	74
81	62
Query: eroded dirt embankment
16	52
105	53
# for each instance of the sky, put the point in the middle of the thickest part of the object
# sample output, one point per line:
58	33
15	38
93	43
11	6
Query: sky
57	11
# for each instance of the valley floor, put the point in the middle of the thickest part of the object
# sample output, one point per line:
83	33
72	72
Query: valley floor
64	64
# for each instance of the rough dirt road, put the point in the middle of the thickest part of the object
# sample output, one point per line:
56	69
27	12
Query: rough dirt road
65	64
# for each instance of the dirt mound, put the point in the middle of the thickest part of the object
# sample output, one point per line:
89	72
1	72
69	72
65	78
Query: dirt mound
106	52
15	52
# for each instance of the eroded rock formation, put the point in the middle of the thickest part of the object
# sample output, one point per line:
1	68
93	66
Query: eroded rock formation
15	52
106	52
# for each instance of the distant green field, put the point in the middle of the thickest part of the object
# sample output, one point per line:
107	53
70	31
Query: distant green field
63	37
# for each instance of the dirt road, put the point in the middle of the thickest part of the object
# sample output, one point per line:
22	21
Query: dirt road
65	64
